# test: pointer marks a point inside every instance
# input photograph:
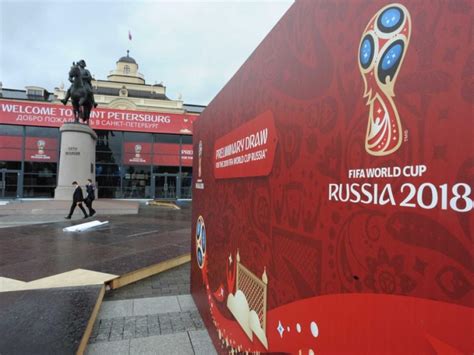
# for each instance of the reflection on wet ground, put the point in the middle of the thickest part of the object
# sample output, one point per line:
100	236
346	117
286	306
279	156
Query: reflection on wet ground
126	244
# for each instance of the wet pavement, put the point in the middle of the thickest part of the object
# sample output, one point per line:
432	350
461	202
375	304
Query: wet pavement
51	321
126	244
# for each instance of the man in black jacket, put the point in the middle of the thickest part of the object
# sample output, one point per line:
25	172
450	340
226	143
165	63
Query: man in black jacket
90	189
77	199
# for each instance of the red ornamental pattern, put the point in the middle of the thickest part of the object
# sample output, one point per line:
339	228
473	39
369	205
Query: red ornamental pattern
363	253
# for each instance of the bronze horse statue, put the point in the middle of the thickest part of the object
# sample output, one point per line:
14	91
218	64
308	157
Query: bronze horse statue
81	97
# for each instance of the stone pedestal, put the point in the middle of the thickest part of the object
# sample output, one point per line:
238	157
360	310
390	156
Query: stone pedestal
77	159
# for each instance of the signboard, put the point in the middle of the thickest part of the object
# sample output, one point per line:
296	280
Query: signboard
356	235
164	154
137	153
167	154
248	150
41	149
51	115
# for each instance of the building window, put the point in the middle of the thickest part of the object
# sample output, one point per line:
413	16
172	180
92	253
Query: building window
35	92
32	131
187	139
136	181
39	179
126	69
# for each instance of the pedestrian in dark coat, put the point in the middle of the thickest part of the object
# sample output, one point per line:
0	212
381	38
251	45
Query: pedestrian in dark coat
90	189
77	199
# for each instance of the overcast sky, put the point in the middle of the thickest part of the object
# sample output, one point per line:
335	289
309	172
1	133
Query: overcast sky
193	46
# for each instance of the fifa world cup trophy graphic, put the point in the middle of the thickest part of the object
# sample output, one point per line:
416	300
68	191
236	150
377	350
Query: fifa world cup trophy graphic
138	151
41	144
200	158
382	49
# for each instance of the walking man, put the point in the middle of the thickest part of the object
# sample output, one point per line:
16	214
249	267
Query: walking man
77	199
90	189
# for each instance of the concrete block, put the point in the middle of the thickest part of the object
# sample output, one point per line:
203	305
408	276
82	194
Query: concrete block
155	305
186	303
202	343
170	344
115	347
116	309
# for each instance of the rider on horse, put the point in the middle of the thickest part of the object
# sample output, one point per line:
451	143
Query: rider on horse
86	79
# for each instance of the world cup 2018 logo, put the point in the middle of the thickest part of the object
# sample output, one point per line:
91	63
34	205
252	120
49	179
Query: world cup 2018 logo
200	158
382	49
138	151
200	242
41	144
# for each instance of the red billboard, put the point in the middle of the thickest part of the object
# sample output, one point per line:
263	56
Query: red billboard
29	113
167	154
161	154
137	153
248	150
41	149
10	148
356	237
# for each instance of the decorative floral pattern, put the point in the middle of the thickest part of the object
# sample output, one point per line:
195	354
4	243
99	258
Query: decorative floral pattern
386	275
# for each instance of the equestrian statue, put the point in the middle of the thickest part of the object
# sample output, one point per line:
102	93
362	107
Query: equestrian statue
80	92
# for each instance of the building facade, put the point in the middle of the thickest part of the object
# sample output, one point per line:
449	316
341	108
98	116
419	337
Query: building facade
144	148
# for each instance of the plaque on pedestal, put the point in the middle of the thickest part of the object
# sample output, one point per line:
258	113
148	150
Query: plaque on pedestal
77	158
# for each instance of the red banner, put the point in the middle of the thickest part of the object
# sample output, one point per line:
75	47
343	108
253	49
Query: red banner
10	148
166	148
166	160
36	149
167	154
164	154
10	142
137	153
247	150
51	115
187	155
41	149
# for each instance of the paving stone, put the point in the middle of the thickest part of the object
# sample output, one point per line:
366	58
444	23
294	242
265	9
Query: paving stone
102	336
128	335
201	342
115	336
115	309
114	347
118	323
129	328
158	316
152	319
167	331
141	332
186	303
154	330
170	344
198	323
154	305
95	330
141	321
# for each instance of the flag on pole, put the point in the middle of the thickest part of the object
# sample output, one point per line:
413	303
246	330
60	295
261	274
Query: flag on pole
129	35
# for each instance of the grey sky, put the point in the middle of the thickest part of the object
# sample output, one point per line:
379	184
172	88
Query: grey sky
194	47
